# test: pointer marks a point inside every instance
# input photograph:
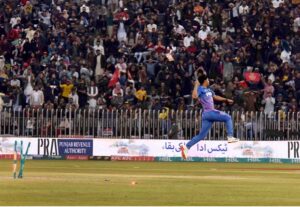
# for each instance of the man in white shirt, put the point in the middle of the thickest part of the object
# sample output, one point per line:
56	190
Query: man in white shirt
92	93
92	103
234	9
244	8
74	96
269	102
30	33
98	46
15	82
202	34
187	40
276	3
151	27
285	56
179	29
36	98
45	17
84	8
296	24
14	21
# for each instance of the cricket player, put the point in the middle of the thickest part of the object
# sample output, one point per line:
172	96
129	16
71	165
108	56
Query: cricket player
210	114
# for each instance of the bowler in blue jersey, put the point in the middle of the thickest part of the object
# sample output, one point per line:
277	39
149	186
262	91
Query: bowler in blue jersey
209	114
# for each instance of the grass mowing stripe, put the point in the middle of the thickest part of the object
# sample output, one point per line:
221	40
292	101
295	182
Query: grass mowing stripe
109	183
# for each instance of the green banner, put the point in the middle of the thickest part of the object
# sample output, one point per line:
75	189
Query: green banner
179	159
223	159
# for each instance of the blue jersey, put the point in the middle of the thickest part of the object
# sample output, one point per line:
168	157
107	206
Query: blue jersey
206	98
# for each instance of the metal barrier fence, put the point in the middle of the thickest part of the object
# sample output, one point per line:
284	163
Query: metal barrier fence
143	124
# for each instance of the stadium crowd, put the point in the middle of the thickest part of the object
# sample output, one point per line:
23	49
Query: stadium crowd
131	54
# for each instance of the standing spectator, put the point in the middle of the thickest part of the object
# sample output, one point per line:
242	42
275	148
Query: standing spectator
268	88
244	8
92	91
82	92
66	90
250	101
156	44
228	70
37	98
75	98
99	64
269	102
188	39
151	27
99	46
122	34
203	33
28	89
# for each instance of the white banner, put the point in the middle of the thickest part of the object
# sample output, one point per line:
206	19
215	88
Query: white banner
48	146
155	148
170	148
7	145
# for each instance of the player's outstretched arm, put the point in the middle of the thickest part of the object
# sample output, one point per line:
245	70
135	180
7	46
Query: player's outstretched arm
195	93
219	98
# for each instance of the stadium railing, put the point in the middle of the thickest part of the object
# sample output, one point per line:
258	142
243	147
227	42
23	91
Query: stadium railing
144	124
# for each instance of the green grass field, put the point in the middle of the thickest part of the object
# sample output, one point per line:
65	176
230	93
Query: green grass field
110	183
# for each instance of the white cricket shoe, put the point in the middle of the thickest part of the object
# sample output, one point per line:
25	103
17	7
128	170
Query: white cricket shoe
232	139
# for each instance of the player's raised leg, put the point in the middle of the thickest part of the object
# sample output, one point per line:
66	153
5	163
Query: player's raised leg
206	126
224	117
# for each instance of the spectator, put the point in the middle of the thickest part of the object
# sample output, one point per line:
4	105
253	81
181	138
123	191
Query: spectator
99	64
75	98
188	39
117	95
71	106
101	103
269	102
130	92
154	45
98	47
268	88
203	33
141	94
15	83
36	98
151	27
1	102
244	8
92	93
66	90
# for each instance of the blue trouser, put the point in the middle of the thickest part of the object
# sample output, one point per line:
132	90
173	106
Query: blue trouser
208	118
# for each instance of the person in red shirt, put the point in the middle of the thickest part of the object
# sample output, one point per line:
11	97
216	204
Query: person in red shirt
160	48
192	48
23	2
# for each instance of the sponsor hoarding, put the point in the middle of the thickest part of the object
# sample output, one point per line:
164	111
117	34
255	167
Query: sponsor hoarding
49	147
170	148
154	150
